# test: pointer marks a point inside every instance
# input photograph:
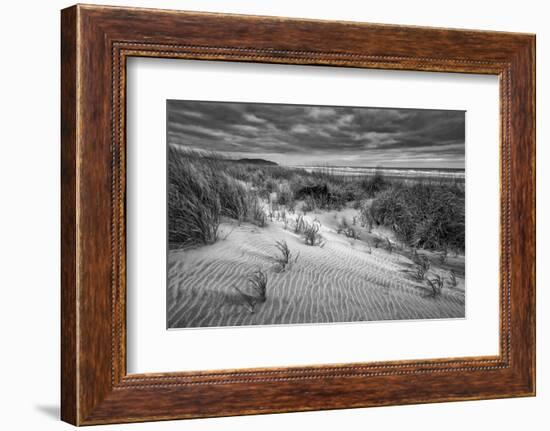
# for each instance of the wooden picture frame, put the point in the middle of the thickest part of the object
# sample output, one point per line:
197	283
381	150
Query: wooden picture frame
96	41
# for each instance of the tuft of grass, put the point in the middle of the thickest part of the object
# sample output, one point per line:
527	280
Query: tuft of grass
422	266
284	194
452	279
436	284
232	195
285	257
311	235
353	233
249	300
342	225
348	230
258	283
299	224
258	215
193	203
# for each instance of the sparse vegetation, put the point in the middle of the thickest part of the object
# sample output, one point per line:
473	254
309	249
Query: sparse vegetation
342	225
311	234
250	301
353	233
348	230
453	282
299	224
257	282
436	284
422	266
443	254
285	257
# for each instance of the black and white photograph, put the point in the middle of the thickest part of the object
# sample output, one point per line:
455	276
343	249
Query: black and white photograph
275	215
297	214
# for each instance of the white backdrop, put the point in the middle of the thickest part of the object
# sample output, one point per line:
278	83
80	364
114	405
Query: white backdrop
29	227
151	348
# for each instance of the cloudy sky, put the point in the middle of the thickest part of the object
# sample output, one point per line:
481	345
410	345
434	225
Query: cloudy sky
319	135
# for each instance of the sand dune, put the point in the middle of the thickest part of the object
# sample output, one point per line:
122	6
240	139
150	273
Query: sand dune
343	281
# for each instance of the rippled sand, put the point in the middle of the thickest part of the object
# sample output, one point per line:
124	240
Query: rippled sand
340	282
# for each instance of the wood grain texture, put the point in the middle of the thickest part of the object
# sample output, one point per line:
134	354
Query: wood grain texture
69	397
96	41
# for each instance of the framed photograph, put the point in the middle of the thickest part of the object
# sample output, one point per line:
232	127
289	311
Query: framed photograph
267	215
307	214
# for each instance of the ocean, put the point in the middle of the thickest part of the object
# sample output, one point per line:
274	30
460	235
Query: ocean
450	174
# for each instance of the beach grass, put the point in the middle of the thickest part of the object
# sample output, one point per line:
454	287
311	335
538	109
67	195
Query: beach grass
205	187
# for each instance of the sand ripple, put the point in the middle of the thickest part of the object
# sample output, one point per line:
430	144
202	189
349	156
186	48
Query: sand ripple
340	282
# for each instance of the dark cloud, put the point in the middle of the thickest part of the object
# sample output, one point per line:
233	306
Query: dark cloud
297	135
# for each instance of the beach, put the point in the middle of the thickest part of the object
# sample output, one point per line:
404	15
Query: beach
342	280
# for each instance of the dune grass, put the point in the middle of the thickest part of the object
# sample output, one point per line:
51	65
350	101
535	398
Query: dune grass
285	257
422	215
312	235
422	266
453	282
436	284
257	290
349	230
194	205
206	187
